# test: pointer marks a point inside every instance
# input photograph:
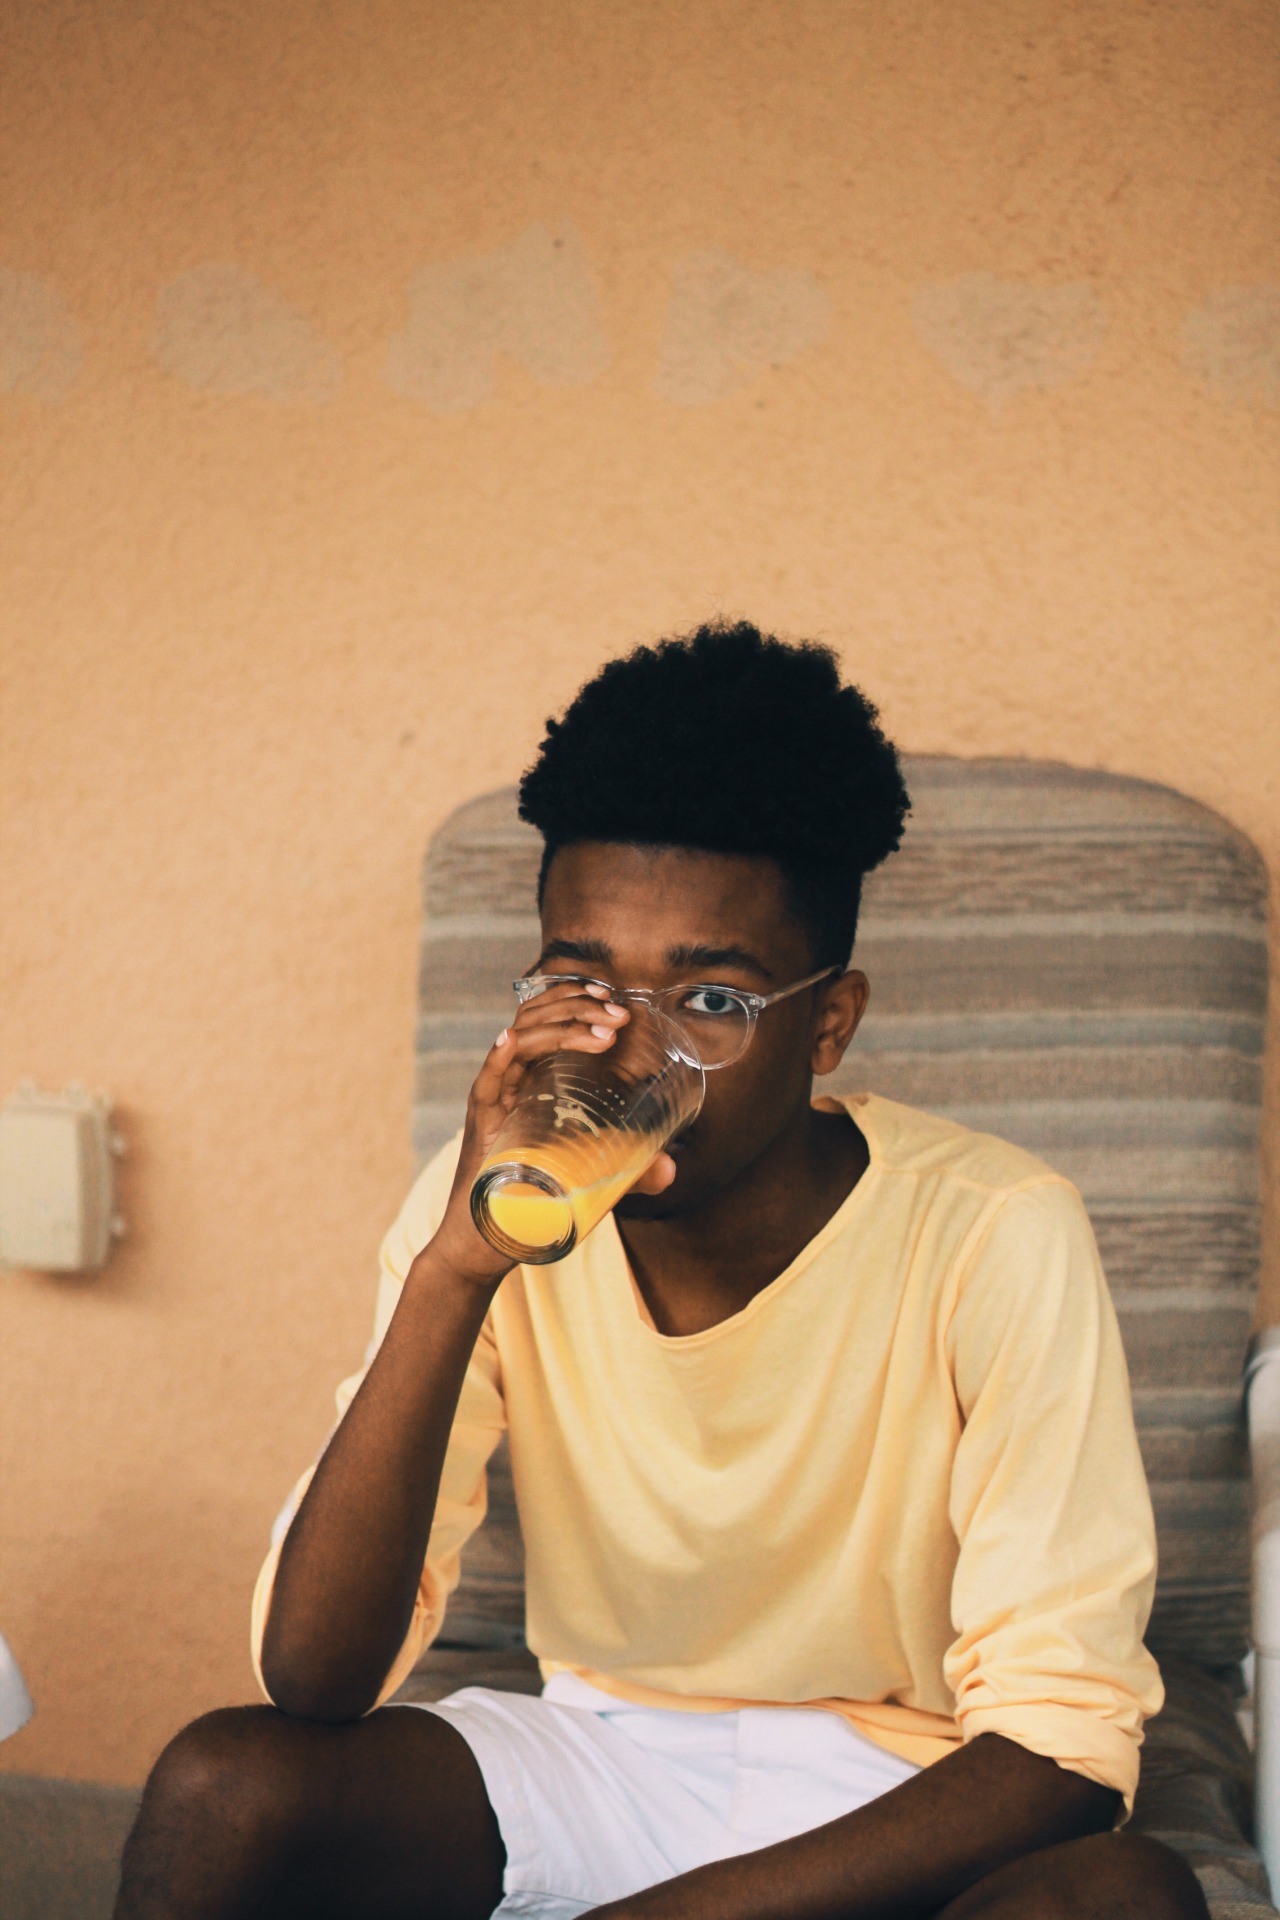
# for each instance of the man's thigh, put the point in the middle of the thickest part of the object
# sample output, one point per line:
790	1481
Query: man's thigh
1110	1876
251	1812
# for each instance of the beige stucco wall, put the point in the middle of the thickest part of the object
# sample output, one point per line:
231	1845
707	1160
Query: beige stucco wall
367	374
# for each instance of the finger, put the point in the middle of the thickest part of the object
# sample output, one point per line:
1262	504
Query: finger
657	1176
503	1066
535	1043
581	1006
494	1067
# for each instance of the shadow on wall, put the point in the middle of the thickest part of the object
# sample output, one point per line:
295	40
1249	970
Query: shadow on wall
219	329
40	349
534	300
998	336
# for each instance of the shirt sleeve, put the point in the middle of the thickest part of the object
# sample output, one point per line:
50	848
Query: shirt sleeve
1057	1554
477	1427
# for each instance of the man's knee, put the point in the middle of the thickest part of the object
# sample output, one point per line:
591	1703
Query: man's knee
1109	1876
231	1768
1130	1874
249	1811
215	1817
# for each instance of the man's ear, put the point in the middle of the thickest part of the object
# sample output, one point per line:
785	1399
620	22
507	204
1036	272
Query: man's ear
844	1003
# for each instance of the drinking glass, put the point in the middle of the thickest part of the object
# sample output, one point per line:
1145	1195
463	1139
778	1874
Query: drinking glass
583	1129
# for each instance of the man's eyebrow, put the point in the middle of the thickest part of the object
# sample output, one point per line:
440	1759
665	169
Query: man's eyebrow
700	958
686	958
595	952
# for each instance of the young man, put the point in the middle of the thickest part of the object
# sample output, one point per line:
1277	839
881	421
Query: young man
839	1551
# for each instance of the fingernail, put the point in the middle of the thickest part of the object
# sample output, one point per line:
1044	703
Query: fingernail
503	1037
598	993
614	1008
603	1033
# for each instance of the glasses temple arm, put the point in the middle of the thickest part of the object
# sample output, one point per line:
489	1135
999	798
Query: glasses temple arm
823	973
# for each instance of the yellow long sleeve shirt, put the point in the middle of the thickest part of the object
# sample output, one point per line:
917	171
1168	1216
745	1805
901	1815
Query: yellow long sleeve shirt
902	1483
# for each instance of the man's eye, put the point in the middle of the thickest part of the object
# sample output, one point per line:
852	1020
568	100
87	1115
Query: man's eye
710	1003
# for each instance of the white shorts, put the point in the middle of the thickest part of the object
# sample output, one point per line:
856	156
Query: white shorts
596	1798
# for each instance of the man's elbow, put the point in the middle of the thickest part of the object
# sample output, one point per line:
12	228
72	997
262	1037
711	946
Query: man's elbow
302	1689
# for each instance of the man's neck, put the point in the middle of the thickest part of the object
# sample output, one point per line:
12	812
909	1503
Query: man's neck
697	1270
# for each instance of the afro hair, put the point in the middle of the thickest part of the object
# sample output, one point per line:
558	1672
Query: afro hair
732	741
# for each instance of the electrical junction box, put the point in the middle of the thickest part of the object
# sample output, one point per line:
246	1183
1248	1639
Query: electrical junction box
57	1179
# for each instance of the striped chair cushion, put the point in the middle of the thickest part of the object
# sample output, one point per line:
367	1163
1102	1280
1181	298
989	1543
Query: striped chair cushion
1072	960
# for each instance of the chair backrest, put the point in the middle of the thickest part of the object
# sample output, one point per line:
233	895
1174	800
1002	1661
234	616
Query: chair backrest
1069	959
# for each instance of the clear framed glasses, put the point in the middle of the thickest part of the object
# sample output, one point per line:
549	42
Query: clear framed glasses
716	1021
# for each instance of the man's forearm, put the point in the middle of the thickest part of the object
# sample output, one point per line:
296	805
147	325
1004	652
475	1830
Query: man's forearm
901	1857
349	1570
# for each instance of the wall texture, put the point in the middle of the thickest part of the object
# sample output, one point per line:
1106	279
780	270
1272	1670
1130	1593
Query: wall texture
367	374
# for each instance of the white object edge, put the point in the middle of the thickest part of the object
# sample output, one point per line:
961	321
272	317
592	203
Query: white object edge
1262	1394
15	1702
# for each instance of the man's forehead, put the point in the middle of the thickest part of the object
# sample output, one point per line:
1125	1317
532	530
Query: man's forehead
678	907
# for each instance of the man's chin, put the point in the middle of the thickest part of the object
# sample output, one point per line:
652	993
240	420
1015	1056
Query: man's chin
667	1205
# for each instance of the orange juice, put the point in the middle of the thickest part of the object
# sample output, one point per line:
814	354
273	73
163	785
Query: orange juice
527	1214
559	1214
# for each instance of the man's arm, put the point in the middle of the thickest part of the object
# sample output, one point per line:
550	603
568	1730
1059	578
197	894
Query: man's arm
903	1855
351	1562
350	1566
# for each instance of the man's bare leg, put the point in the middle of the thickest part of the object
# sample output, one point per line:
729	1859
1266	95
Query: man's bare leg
248	1812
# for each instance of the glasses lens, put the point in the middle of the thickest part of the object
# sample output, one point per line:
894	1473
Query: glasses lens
715	1022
